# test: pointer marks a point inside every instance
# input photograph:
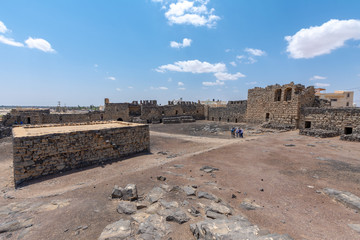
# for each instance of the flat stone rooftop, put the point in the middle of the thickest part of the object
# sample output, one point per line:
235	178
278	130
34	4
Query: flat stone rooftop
39	130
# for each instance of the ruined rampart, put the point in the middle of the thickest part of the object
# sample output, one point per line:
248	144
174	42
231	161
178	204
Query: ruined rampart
339	121
48	149
235	111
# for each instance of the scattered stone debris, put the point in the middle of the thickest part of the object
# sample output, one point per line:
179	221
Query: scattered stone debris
178	165
208	169
162	153
348	199
248	205
236	227
190	191
161	178
208	196
355	227
321	133
323	159
129	193
126	207
289	145
155	194
117	230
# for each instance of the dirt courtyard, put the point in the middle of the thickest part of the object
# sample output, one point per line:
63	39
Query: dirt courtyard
282	173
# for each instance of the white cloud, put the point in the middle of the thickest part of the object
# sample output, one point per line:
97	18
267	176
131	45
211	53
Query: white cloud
255	52
185	43
118	89
191	12
211	84
180	84
251	83
316	77
3	28
130	87
322	84
95	65
227	50
233	64
40	44
10	41
111	78
158	88
182	88
223	76
193	66
319	40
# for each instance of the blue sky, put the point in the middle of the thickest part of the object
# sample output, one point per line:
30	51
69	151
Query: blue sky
79	52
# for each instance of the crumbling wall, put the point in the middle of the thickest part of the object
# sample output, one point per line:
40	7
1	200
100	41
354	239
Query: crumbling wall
154	113
235	111
38	155
117	111
5	132
278	104
335	119
25	116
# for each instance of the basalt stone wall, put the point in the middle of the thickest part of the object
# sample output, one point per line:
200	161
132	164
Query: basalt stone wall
233	112
117	111
72	118
152	113
279	104
5	132
30	116
341	120
36	156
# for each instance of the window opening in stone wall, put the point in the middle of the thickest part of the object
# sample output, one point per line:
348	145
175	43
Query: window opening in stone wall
236	120
162	112
213	119
219	119
277	95
307	124
267	117
102	117
333	100
176	112
183	111
228	120
28	120
160	120
348	130
347	104
60	118
197	111
120	119
287	94
348	95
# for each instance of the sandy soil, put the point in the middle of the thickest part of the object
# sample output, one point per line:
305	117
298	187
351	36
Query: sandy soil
59	207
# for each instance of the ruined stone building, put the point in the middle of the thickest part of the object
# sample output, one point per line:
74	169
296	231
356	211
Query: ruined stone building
288	106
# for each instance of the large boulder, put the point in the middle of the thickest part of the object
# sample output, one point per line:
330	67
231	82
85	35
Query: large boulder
116	231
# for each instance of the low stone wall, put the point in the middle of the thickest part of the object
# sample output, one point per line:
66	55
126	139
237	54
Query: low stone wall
181	119
48	149
350	137
278	126
5	132
318	133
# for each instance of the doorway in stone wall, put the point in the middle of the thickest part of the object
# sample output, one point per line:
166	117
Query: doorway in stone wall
28	120
120	119
348	130
267	117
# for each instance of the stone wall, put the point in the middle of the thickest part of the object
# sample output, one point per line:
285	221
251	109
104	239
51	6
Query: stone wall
152	113
5	132
235	111
117	111
278	104
48	149
334	119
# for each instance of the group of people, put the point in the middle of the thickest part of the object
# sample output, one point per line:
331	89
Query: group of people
237	132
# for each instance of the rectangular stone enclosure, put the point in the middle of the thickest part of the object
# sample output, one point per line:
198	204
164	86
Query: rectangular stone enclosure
41	150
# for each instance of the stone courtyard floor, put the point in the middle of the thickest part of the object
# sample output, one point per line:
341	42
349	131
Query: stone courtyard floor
275	179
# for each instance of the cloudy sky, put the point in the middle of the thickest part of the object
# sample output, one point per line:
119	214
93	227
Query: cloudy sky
79	52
